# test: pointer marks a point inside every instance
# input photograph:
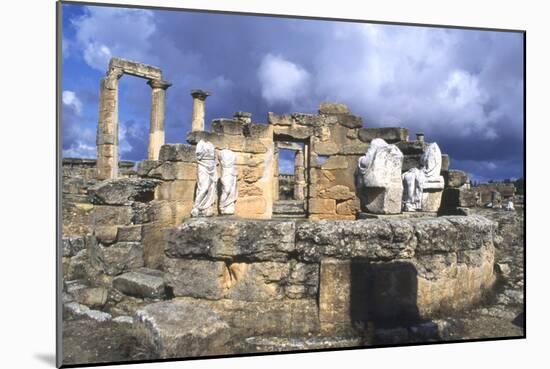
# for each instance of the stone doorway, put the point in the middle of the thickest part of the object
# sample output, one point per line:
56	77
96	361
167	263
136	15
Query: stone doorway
290	182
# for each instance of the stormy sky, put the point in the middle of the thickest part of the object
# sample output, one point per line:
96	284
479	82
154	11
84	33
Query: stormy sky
462	88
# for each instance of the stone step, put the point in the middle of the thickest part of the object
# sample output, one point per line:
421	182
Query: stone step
288	207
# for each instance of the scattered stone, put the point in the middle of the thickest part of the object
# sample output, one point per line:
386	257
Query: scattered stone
140	284
92	297
502	268
124	319
75	310
183	329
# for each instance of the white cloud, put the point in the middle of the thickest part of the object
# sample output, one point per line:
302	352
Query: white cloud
70	99
103	32
282	81
80	149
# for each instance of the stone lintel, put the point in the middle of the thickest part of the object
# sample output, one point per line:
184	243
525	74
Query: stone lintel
288	145
135	68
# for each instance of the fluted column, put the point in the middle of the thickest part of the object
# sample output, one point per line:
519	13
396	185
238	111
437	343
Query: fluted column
107	127
197	116
158	108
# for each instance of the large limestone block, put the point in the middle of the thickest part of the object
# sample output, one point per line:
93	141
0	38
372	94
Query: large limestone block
257	281
338	192
334	293
106	215
171	170
456	178
195	278
118	257
178	152
153	244
374	239
279	317
178	190
456	197
250	206
143	283
388	134
322	206
228	126
122	191
254	240
180	328
333	108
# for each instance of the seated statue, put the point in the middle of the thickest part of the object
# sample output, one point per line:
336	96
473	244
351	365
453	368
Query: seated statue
416	181
379	178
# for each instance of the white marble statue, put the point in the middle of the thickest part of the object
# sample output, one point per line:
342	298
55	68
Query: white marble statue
427	177
228	181
379	178
207	178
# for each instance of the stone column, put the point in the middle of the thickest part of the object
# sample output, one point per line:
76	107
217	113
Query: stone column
107	127
158	107
299	178
276	174
197	117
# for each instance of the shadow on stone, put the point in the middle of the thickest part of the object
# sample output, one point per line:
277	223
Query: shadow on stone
384	299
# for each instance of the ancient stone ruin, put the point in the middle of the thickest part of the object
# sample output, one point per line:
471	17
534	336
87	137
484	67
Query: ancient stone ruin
197	252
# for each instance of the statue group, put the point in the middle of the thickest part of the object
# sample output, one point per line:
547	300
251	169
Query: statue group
383	187
207	181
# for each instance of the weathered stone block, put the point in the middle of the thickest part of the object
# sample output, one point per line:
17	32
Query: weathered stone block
335	293
412	147
153	244
325	148
249	206
388	134
322	206
145	166
456	178
106	234
92	297
179	329
333	108
258	130
178	152
224	238
171	170
456	197
350	121
129	233
431	200
348	207
196	278
118	258
374	239
335	162
228	126
338	192
122	191
141	284
105	215
178	190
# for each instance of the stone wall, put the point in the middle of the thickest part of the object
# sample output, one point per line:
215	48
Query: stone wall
352	270
335	139
77	176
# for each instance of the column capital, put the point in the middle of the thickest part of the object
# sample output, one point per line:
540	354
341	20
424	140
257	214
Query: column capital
157	83
200	94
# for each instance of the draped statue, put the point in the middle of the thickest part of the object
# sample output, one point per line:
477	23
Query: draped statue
207	177
228	181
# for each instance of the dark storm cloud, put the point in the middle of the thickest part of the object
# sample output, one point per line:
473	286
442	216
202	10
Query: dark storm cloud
463	89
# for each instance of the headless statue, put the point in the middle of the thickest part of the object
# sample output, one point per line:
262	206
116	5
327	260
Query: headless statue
228	181
207	177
